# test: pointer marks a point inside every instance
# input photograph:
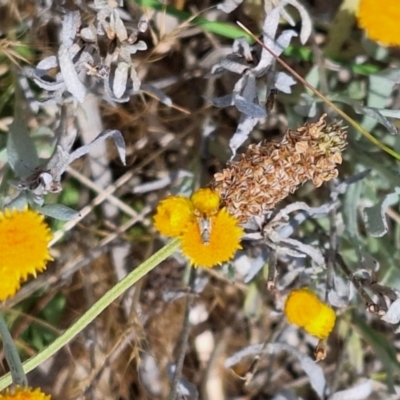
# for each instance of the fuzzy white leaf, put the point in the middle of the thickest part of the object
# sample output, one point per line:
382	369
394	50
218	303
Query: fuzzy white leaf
306	23
143	23
70	23
99	4
283	82
339	296
72	82
135	80
359	392
47	63
44	84
120	79
392	315
227	6
109	93
118	26
270	27
88	34
138	46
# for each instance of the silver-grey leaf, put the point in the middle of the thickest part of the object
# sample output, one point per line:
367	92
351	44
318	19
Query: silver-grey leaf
59	211
110	94
145	87
44	84
143	23
283	82
313	370
377	115
135	80
277	47
114	134
251	350
243	130
241	46
306	23
392	315
118	26
375	216
99	4
233	66
309	366
88	34
120	79
72	82
339	295
19	203
138	46
70	23
223	101
249	108
47	63
21	150
359	392
227	6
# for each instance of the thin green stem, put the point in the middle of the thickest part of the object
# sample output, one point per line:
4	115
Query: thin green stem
95	310
12	356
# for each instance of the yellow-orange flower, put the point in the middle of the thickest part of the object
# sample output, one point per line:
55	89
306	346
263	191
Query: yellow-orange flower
304	309
224	240
209	235
24	394
380	20
206	201
173	215
24	240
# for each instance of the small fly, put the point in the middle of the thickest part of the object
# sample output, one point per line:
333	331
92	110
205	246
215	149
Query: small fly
205	229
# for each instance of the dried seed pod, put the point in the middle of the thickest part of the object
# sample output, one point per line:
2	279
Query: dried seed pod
268	172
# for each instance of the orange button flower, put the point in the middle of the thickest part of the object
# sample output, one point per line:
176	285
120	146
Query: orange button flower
173	215
380	20
23	248
206	201
20	393
304	309
209	235
223	241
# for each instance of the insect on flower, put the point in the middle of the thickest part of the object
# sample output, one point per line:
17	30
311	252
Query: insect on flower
205	229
